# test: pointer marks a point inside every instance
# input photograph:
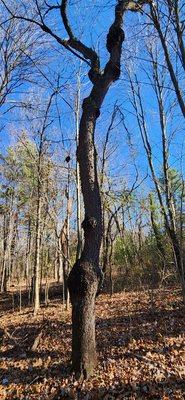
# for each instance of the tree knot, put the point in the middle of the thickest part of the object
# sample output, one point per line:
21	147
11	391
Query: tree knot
94	75
89	223
115	37
90	104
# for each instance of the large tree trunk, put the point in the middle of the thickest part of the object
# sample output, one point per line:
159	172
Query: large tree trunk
84	277
78	189
83	284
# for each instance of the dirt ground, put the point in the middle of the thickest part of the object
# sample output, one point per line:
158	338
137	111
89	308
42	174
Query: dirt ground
140	343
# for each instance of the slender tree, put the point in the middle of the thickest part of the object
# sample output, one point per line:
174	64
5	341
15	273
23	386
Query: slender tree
168	21
17	57
165	195
41	174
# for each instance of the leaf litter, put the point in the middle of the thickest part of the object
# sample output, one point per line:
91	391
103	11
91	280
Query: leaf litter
140	344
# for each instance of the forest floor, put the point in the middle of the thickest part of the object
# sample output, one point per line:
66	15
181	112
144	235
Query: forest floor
140	342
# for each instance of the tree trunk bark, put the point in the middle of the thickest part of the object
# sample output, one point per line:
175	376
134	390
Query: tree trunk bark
28	251
3	274
8	231
83	285
36	277
78	189
86	275
169	63
65	262
178	258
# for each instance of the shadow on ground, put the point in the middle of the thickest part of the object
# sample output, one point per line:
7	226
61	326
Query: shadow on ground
20	365
12	300
141	325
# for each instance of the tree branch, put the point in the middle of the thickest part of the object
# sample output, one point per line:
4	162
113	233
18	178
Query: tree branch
46	29
116	36
87	52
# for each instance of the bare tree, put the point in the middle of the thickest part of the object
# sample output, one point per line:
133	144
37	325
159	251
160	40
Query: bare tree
168	20
40	189
85	275
9	220
166	202
17	57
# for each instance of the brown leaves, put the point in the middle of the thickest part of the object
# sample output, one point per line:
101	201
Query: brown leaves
141	352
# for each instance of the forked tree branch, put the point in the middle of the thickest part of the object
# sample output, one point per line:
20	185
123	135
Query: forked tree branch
115	36
45	28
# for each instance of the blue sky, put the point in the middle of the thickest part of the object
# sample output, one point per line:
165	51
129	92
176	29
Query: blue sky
91	21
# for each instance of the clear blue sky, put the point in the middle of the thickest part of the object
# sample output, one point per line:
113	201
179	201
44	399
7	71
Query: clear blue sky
90	22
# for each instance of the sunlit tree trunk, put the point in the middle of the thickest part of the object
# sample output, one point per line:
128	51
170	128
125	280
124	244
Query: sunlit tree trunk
28	251
36	276
8	229
166	202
